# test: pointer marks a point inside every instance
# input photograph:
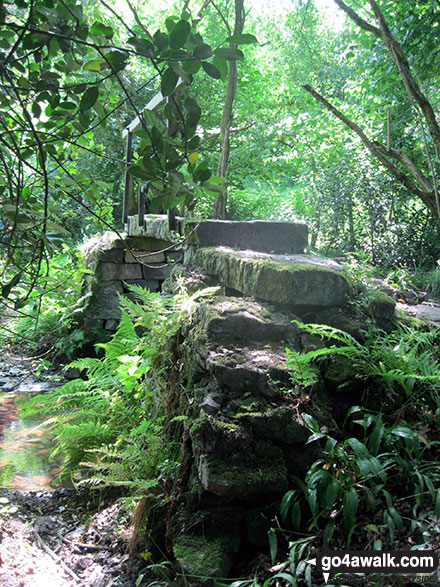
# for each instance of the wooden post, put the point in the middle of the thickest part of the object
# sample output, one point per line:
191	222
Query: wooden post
128	181
141	206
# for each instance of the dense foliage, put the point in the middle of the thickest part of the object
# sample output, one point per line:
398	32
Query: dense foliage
283	111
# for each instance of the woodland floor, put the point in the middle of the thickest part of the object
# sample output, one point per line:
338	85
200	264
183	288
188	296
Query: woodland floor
59	539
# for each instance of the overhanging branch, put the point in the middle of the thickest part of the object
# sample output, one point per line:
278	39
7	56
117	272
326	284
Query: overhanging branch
380	152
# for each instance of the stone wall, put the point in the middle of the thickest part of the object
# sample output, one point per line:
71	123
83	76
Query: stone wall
117	263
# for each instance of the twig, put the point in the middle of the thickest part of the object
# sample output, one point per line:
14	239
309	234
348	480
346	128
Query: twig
55	557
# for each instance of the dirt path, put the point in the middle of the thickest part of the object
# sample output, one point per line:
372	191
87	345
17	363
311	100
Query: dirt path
54	539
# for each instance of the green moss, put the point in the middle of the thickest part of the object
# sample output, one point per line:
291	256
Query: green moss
260	471
202	559
411	321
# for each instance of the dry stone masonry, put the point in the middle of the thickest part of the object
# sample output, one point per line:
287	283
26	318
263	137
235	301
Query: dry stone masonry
231	404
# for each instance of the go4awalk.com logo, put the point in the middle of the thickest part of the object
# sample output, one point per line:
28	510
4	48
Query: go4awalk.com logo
403	562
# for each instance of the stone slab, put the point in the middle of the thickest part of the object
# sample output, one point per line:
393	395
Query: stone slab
118	271
428	312
156	273
144	257
291	280
152	285
257	235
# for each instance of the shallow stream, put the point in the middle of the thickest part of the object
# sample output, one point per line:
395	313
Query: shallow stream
25	443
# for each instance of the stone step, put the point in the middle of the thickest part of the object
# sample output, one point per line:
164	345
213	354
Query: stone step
231	319
294	281
254	369
257	235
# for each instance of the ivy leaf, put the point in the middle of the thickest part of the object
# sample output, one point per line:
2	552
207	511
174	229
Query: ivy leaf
229	54
168	82
244	39
179	34
89	98
211	70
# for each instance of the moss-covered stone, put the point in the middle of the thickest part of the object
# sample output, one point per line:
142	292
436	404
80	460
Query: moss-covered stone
203	559
279	425
341	375
381	306
258	523
211	435
411	321
244	474
337	318
292	284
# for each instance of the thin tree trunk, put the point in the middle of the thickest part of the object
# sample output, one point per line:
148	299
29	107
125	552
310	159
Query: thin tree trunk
227	117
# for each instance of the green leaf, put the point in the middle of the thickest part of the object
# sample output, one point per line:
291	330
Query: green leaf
273	544
89	98
211	70
161	40
222	66
168	82
6	289
403	432
191	66
99	28
36	110
143	46
139	172
229	54
350	505
243	39
286	503
179	34
95	65
331	493
203	51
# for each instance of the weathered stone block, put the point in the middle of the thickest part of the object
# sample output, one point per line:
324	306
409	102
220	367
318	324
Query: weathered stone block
152	285
203	558
231	319
244	475
381	306
295	281
112	255
258	235
144	257
153	273
118	271
105	306
279	425
107	287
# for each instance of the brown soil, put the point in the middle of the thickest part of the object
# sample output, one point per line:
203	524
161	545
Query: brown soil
53	539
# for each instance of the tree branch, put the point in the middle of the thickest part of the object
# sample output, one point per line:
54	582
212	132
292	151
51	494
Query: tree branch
378	151
363	24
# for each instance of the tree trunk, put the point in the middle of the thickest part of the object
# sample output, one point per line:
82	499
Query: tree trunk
227	117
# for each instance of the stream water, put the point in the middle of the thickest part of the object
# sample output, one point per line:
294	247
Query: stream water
25	443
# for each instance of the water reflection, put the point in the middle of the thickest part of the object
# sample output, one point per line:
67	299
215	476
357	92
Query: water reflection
25	447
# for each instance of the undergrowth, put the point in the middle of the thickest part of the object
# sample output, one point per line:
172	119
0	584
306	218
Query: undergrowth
108	423
375	485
